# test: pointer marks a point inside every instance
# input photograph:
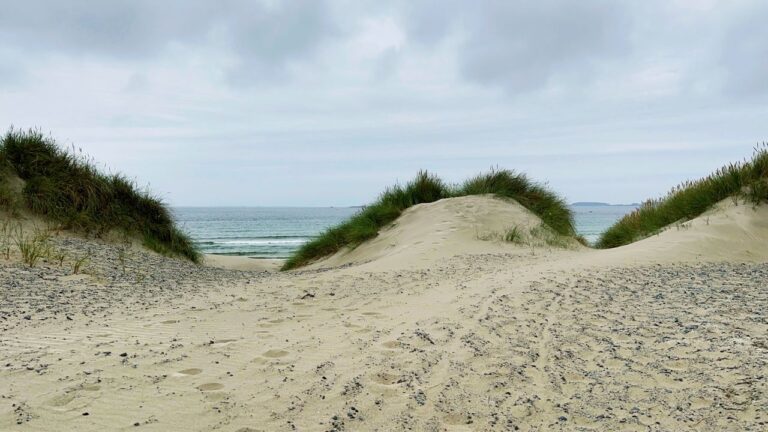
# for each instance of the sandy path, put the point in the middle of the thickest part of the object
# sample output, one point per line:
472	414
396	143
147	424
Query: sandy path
429	327
487	342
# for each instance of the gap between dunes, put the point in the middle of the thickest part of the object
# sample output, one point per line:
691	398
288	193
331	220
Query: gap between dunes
730	231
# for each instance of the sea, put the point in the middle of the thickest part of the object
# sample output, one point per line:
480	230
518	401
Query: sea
276	232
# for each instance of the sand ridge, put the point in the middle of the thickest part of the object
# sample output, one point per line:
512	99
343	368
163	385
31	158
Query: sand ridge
428	232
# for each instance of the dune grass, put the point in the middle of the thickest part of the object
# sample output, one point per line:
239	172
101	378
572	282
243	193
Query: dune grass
426	188
746	180
66	187
547	205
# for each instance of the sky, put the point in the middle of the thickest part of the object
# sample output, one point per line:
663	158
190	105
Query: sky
316	103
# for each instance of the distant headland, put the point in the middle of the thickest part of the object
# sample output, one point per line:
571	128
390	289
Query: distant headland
598	204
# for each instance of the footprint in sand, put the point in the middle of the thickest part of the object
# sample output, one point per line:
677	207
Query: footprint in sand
61	400
188	372
386	378
210	387
275	353
392	345
372	314
457	419
276	321
91	387
169	322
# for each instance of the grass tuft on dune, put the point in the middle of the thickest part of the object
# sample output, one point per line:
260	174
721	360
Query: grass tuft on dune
747	180
427	188
38	176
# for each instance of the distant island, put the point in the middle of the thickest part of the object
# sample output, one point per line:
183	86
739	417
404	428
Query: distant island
598	204
589	203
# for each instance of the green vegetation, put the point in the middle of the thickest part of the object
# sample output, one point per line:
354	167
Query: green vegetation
747	180
547	205
38	176
33	247
426	188
513	235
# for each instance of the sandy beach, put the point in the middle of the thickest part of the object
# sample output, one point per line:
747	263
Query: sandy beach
435	325
354	216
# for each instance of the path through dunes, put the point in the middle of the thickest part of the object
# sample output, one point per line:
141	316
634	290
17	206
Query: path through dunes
465	346
533	339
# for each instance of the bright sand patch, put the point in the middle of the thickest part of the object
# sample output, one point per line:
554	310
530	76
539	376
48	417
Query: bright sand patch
242	263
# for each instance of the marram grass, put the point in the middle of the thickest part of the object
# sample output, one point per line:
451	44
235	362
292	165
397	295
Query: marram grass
747	180
66	187
426	188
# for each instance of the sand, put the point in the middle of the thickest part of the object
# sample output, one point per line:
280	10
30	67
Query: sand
242	263
430	327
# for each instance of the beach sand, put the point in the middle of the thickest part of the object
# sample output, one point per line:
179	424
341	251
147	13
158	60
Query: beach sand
242	263
436	325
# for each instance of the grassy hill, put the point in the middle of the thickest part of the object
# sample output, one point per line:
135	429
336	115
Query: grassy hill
746	180
41	178
426	188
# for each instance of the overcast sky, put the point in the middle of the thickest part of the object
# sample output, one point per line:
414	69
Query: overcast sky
327	102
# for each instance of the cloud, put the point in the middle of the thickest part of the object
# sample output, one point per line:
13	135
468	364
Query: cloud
263	37
114	29
349	95
521	46
744	54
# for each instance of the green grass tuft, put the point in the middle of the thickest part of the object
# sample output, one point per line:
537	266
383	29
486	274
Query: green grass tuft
426	188
748	180
547	205
65	187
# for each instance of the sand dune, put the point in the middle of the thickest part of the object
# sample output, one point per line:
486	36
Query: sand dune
455	226
436	325
732	230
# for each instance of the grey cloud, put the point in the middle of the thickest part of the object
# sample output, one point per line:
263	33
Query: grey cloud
115	29
263	36
744	57
268	38
430	21
521	45
386	64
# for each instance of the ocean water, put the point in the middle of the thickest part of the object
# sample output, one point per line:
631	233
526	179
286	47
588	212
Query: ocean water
263	232
275	232
591	221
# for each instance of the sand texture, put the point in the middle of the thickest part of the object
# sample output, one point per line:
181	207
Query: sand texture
436	325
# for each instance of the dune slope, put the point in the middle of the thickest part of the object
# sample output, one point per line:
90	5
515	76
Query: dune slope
730	231
450	227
